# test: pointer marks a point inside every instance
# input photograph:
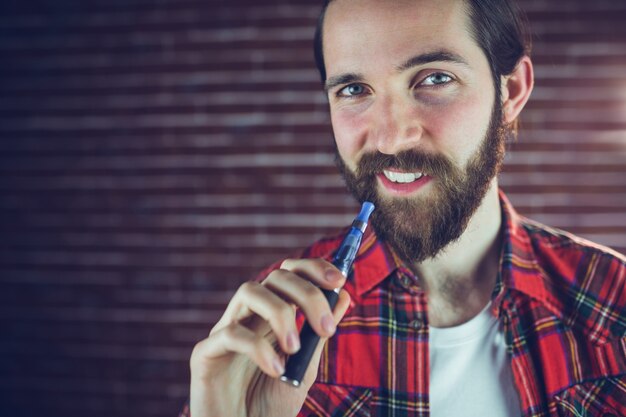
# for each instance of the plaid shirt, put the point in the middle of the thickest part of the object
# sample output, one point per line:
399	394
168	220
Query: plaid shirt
561	301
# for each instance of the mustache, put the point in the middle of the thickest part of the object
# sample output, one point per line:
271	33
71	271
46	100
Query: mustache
409	161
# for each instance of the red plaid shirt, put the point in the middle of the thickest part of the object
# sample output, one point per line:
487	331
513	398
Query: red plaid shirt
561	301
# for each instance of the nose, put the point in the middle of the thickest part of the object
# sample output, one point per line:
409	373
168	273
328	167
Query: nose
397	127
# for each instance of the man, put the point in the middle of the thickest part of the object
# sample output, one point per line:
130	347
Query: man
456	305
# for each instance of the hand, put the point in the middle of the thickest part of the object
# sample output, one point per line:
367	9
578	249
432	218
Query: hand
234	371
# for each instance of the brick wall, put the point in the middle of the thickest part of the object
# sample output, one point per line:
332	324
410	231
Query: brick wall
155	154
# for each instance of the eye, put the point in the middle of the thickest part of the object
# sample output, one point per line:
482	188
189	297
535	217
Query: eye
351	90
436	78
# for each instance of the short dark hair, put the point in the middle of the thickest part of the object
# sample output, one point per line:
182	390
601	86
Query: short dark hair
499	27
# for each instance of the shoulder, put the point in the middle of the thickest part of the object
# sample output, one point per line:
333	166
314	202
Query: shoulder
571	257
555	239
585	281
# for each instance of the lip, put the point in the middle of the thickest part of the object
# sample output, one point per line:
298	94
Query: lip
402	188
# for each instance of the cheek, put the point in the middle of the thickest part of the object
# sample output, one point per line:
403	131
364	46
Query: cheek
457	126
350	130
454	126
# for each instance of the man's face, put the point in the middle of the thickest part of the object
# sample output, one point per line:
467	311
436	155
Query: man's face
417	128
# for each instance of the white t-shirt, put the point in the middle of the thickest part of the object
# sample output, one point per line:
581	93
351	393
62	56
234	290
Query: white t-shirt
470	372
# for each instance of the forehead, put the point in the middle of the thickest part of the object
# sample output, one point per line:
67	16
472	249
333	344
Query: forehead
358	31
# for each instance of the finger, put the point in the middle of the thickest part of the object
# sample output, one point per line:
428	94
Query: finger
340	310
305	295
237	310
253	298
319	271
343	303
236	338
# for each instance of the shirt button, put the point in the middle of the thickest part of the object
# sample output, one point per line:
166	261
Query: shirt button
406	282
415	324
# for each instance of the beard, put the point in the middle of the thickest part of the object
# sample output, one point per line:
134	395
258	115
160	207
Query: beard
418	228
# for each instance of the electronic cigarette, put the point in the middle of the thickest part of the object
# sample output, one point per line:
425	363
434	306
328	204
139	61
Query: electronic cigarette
298	363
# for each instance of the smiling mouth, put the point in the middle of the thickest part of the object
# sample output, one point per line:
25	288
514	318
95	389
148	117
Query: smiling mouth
402	177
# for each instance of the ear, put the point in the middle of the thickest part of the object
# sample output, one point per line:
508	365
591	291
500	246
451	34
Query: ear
516	88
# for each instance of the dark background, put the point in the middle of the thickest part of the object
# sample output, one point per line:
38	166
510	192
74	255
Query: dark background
155	154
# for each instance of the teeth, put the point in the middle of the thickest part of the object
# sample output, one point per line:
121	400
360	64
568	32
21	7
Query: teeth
402	177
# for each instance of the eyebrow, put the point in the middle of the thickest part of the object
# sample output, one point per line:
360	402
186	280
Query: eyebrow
437	56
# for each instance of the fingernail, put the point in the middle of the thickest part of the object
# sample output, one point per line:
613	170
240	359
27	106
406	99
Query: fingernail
328	323
293	341
278	366
331	275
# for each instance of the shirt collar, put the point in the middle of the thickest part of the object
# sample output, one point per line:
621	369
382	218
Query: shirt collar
519	269
375	261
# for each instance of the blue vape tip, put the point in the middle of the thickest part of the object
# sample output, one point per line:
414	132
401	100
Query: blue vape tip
366	209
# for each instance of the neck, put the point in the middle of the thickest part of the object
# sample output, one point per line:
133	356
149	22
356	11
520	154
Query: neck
459	281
